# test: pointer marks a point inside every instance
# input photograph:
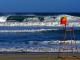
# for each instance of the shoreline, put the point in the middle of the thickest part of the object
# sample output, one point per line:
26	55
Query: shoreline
41	56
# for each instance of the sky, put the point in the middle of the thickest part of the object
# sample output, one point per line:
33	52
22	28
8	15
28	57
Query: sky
39	5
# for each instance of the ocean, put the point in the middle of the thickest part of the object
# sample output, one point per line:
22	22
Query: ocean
38	36
36	41
23	41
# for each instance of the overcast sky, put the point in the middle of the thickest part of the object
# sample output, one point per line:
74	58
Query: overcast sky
39	5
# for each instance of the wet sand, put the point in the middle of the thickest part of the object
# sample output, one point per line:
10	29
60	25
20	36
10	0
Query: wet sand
40	56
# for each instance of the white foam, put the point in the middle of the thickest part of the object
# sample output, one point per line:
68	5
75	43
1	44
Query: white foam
38	30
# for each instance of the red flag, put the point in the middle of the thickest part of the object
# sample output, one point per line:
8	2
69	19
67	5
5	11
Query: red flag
63	20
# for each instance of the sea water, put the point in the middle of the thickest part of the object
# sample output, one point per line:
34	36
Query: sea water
29	41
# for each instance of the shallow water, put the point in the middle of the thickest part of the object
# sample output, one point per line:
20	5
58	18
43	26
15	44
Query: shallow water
24	40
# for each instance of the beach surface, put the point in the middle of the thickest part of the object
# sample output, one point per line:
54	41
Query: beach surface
40	56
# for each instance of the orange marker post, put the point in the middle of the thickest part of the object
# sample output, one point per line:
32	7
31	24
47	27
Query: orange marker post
63	21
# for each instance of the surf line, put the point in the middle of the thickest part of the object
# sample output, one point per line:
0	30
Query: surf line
26	30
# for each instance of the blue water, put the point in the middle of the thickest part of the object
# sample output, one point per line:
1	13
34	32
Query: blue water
24	27
34	28
39	36
21	40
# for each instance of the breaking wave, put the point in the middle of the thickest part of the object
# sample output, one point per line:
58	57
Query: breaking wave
40	30
34	46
